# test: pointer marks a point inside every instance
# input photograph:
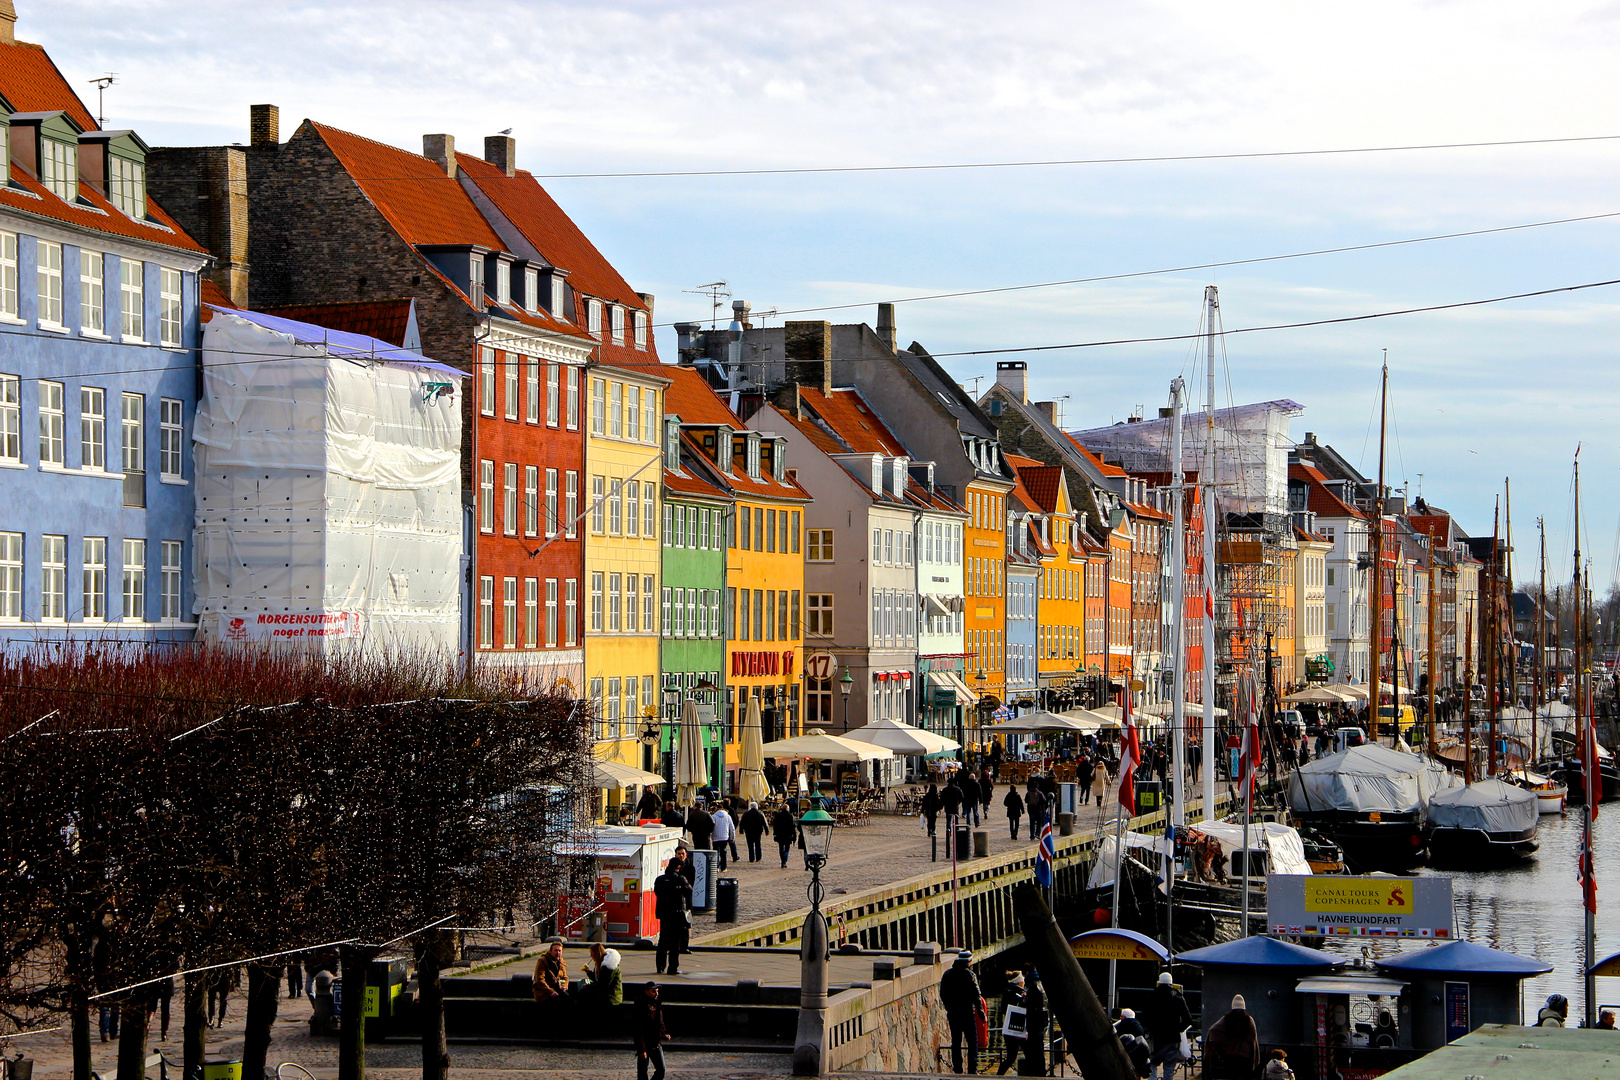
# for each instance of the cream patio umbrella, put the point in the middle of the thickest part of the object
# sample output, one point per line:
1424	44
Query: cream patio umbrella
1165	708
902	738
1039	720
1319	695
616	774
1350	690
751	783
691	770
817	745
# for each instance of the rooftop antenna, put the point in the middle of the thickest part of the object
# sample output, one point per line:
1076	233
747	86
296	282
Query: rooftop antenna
101	85
718	293
1062	412
976	380
1420	485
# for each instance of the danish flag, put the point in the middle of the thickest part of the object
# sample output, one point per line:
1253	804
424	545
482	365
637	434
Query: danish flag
1130	756
1249	756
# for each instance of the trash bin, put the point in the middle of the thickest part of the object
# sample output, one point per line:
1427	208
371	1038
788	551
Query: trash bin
1068	798
385	982
20	1068
964	843
725	900
222	1070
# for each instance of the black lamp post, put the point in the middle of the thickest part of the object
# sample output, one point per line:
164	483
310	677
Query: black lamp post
846	683
810	1044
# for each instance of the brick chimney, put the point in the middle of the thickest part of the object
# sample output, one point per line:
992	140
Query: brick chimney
441	150
1047	409
885	324
8	23
807	347
264	124
501	152
1014	375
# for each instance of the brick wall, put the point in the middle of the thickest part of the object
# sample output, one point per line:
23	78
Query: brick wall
205	189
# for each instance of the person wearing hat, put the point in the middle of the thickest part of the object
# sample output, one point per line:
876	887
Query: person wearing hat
649	1032
1232	1047
673	902
1133	1038
964	1005
1035	1044
1554	1013
1012	997
1167	1017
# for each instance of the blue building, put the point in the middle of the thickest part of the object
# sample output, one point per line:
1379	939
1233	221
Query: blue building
99	293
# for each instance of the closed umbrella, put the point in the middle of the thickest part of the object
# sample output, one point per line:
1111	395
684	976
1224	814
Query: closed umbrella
691	771
902	738
751	758
817	745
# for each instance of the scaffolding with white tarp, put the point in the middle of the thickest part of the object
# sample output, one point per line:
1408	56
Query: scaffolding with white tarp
328	489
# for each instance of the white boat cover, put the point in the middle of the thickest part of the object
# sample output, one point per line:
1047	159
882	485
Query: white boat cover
1490	805
1141	846
1366	778
1282	844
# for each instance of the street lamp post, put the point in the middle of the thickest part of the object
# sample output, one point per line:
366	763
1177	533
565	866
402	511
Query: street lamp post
811	1041
845	684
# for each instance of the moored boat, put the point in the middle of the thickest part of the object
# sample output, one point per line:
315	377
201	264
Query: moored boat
1487	823
1551	795
1371	801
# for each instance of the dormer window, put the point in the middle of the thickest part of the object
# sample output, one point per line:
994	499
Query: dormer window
672	443
641	329
752	459
559	297
475	280
503	282
593	318
59	168
616	314
531	290
779	461
126	185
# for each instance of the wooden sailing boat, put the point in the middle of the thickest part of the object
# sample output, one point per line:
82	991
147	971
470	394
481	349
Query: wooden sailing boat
1551	794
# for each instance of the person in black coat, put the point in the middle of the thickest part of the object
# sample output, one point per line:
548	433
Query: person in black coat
672	817
931	804
701	826
1035	804
987	786
1035	1021
1167	1017
1133	1037
970	798
673	901
650	806
648	1030
959	994
1011	997
753	825
951	800
785	831
1014	803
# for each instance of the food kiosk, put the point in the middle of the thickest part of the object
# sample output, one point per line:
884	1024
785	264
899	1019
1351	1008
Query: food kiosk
627	860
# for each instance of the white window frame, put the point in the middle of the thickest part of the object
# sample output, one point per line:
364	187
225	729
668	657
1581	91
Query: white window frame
641	330
503	282
616	323
53	578
531	500
11	575
52	424
593	318
632	603
509	499
11	419
531	388
598	406
573	398
92	429
649	588
92	293
486	612
649	415
531	612
93	594
126	186
598	613
171	438
486	381
551	502
599	505
551	613
553	395
514	377
649	510
132	300
8	277
486	496
48	270
632	495
59	168
616	409
571	505
134	580
509	612
571	612
559	297
632	413
169	321
172	552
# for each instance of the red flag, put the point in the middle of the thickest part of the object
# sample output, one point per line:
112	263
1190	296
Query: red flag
1593	774
1130	755
1588	878
1249	757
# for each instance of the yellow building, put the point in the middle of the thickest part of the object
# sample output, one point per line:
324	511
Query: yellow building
984	584
1060	593
623	555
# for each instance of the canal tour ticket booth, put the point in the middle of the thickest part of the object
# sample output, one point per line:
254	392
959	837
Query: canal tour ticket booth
1136	958
1457	986
626	862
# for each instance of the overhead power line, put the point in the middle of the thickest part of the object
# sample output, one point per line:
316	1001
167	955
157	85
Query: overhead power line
1286	326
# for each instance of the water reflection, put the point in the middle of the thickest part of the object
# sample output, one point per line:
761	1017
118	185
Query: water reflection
1535	910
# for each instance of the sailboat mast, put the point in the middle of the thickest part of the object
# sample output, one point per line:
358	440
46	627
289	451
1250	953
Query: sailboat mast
1540	617
1178	599
1468	698
1206	480
1593	783
1493	658
1376	599
1507	609
1434	643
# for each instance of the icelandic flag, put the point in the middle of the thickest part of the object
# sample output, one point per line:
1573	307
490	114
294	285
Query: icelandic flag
1044	855
1130	756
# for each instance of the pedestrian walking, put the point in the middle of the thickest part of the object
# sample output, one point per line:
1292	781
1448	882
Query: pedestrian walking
1082	776
295	976
1167	1017
673	905
1014	803
987	786
1035	1023
725	834
220	985
1035	806
1099	780
964	1005
701	827
672	818
784	830
753	826
970	798
1232	1047
1011	998
931	803
165	997
649	1034
734	807
1133	1038
649	806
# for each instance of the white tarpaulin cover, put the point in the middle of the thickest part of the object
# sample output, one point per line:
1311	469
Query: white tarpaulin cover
1102	871
1287	853
1364	778
1490	805
328	489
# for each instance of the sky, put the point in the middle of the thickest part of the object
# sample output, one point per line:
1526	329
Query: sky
1476	394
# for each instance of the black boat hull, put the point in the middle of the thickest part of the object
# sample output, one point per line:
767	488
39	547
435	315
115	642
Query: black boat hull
1475	848
1372	842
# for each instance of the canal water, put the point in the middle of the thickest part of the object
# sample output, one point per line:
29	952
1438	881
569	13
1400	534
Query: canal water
1535	909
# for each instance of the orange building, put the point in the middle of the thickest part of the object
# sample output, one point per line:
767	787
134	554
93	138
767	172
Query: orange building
984	585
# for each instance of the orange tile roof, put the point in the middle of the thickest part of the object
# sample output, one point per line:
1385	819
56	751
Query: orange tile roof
213	294
857	425
1042	482
423	205
385	320
1105	469
30	80
536	214
1319	499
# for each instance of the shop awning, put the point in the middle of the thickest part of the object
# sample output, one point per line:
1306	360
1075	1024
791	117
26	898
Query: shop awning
1349	984
936	605
964	695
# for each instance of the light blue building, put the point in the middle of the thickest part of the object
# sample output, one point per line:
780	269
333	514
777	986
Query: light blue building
99	294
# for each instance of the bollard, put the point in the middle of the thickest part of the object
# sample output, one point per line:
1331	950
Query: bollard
963	843
933	848
1065	824
981	843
